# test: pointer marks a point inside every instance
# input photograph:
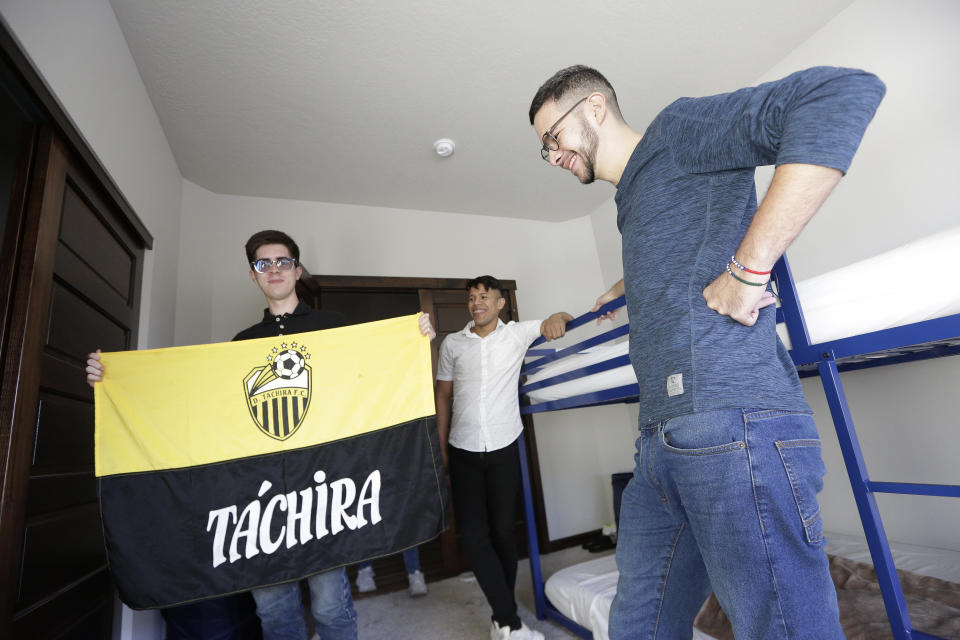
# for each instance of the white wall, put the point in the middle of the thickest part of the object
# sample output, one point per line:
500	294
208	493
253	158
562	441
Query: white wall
83	57
899	188
606	238
554	269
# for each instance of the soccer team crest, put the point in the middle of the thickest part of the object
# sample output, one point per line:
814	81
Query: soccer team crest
278	394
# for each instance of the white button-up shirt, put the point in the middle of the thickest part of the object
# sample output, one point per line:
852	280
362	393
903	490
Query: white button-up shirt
485	374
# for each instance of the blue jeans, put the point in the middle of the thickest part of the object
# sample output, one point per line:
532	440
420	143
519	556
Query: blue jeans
411	560
725	500
281	612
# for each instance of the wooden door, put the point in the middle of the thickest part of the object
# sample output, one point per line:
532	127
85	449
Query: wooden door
77	286
70	276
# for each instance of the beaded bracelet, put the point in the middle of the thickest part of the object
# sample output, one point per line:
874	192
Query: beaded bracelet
736	277
733	259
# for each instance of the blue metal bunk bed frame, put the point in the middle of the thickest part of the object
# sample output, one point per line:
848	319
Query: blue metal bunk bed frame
918	341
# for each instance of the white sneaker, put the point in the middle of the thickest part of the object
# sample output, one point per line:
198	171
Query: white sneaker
365	582
525	633
418	586
506	633
499	633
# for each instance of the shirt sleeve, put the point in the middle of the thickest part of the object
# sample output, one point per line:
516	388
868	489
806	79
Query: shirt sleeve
530	330
816	116
445	361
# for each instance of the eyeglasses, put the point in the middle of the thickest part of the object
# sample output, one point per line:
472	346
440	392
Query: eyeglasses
550	142
283	264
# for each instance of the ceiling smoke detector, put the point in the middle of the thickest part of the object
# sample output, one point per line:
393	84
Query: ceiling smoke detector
444	147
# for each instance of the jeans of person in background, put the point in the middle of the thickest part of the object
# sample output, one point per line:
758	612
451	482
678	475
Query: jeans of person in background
485	488
411	560
281	611
725	500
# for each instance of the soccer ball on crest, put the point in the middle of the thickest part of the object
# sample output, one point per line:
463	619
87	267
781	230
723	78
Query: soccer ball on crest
288	364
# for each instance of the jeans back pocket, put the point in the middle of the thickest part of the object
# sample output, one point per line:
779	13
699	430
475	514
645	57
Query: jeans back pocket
805	470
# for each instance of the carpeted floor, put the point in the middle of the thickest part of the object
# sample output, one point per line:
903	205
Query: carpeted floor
455	608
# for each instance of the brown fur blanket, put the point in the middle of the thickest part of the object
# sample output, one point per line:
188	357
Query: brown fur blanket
934	605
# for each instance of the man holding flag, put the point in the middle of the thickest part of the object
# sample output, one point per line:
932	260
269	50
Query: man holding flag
274	267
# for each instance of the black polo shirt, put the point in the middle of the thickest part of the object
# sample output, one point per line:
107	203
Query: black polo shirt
304	318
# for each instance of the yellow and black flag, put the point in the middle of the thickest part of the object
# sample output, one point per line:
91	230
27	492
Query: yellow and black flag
225	467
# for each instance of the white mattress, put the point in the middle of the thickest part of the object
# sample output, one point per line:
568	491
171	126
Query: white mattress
912	283
908	284
584	592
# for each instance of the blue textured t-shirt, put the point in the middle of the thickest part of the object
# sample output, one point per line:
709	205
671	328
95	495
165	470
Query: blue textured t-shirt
684	202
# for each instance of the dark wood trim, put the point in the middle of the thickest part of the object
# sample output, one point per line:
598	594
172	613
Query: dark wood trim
426	305
14	229
14	56
306	284
514	312
21	371
536	484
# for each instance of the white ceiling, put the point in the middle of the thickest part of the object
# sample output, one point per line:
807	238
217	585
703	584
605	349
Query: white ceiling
341	100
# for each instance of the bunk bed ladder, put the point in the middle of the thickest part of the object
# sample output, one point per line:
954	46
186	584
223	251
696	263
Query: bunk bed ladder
544	609
533	546
863	488
866	503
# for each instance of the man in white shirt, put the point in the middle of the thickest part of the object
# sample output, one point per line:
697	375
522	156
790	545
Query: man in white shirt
477	381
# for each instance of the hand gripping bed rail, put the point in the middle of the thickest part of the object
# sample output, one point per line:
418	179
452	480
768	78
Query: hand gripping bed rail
579	321
626	393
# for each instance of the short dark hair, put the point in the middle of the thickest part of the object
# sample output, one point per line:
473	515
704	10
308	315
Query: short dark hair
489	283
271	236
579	80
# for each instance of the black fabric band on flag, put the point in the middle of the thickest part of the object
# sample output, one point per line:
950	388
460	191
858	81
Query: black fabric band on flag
236	525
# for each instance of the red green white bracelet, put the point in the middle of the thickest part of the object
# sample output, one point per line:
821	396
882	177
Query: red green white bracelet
736	277
733	259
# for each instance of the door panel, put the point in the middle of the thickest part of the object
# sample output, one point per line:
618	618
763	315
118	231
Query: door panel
79	554
83	232
368	306
63	435
57	373
80	276
93	617
60	491
77	289
75	325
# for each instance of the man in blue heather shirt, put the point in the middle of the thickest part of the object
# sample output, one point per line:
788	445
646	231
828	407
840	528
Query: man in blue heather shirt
728	467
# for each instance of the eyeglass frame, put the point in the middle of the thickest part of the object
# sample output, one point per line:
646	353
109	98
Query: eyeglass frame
545	149
271	262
